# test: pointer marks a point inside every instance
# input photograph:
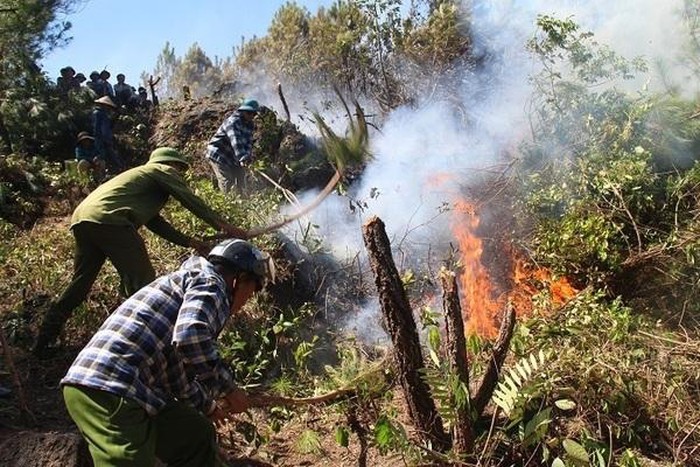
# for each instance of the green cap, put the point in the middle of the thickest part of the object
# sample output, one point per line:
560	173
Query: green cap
166	154
251	105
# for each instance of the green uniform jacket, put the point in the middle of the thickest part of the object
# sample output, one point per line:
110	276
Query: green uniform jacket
136	197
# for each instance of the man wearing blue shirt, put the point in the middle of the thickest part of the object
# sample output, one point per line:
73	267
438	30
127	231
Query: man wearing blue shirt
103	134
146	385
231	147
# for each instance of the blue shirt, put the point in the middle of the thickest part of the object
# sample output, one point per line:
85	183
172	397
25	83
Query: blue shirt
160	344
86	153
102	130
233	141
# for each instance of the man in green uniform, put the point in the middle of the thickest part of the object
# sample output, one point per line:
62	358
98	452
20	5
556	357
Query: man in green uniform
105	225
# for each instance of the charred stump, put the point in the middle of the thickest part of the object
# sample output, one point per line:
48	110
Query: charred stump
498	356
456	346
401	326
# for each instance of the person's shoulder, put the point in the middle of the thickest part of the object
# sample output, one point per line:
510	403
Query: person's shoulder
165	173
233	116
159	167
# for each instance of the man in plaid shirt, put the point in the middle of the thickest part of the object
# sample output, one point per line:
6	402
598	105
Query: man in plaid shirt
231	147
146	385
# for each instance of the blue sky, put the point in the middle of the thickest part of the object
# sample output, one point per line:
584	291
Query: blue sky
126	36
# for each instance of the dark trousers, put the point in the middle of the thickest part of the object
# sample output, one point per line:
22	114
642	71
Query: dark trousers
229	177
94	243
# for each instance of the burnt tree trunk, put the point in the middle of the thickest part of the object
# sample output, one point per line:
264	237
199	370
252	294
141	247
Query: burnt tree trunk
401	326
498	356
463	438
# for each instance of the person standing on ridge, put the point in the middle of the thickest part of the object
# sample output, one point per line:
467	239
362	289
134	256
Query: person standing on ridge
103	134
105	226
96	85
123	92
231	147
104	76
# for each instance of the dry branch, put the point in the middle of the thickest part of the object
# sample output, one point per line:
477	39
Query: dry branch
498	356
401	326
284	101
463	441
264	400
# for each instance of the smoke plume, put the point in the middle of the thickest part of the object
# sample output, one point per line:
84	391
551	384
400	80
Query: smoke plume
425	155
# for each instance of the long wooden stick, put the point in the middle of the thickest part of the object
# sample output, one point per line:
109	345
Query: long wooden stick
265	400
256	231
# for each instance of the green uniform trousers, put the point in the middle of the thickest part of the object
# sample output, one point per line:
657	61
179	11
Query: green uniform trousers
94	243
119	432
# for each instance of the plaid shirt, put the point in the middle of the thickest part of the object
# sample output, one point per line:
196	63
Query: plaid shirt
233	142
160	344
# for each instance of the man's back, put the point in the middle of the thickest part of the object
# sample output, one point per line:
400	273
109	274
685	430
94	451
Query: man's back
131	198
143	349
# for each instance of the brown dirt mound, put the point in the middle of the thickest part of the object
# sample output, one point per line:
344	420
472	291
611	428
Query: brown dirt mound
288	156
188	126
53	449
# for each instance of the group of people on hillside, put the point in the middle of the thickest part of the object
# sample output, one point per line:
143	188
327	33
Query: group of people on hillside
151	382
95	151
121	93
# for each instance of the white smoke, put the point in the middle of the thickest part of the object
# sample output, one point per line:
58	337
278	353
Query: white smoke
418	145
424	155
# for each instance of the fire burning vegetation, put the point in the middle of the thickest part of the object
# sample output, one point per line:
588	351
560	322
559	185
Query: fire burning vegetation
481	302
565	195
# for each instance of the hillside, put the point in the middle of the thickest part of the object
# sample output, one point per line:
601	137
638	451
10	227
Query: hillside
505	273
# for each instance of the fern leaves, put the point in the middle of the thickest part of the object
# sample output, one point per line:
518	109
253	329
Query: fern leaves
514	388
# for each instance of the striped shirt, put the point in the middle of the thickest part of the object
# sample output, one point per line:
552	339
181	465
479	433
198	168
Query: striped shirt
233	142
160	344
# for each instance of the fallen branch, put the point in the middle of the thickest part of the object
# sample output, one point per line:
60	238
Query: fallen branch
265	400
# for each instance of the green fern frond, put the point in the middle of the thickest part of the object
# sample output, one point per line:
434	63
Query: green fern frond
514	386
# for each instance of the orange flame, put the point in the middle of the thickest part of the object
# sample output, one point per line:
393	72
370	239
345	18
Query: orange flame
525	279
477	291
476	288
